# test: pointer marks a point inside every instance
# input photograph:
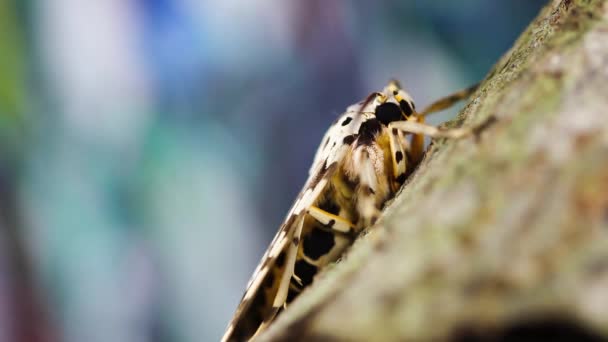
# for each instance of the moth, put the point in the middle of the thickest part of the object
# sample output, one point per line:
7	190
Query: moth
364	158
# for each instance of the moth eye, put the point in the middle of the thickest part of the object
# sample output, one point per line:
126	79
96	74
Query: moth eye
388	112
406	107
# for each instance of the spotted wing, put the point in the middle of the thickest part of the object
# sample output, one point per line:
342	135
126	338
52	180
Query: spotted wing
268	287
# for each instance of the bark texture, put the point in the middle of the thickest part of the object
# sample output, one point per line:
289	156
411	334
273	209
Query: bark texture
502	236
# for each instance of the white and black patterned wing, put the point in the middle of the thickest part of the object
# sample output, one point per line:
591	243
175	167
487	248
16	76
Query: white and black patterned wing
267	289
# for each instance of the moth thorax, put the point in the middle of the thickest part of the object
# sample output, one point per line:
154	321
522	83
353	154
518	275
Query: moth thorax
389	112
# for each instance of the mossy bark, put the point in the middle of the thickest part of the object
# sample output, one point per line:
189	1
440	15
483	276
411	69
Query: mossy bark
501	235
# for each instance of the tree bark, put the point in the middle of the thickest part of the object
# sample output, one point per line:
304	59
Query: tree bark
501	236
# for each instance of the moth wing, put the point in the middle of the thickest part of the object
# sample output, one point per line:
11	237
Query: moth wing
334	147
334	143
255	308
248	317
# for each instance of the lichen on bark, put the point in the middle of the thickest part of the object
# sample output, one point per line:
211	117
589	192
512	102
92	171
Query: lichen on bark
504	235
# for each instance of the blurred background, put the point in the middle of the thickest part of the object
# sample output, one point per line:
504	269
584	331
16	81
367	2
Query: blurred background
149	149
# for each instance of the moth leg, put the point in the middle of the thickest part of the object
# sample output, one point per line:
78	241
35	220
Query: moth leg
336	223
422	129
398	146
419	129
281	295
448	101
292	251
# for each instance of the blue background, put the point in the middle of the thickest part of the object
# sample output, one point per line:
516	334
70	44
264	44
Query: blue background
149	149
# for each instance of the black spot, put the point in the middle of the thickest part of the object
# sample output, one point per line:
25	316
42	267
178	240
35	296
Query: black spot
368	131
240	334
398	156
370	127
367	190
256	318
318	243
305	271
259	300
334	144
269	281
349	139
350	183
291	295
401	178
280	259
331	223
324	170
326	142
405	107
319	175
296	240
395	131
347	121
388	112
395	92
330	206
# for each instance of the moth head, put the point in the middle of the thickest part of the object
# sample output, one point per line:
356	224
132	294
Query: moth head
394	104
